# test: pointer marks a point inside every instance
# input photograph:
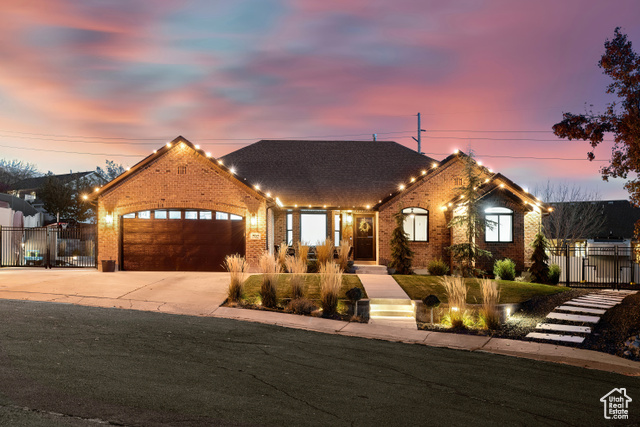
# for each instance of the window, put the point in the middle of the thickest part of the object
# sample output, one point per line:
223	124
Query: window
175	214
236	217
205	214
499	225
313	227
416	224
160	214
337	229
130	215
144	214
222	215
290	229
191	215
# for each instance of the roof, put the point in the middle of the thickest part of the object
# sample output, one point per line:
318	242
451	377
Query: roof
37	182
620	217
333	173
17	204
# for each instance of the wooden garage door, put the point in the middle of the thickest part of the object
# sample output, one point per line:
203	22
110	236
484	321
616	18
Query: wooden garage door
180	240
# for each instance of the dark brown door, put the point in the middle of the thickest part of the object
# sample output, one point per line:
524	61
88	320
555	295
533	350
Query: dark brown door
180	244
364	242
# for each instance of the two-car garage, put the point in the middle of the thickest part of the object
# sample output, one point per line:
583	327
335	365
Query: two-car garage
180	239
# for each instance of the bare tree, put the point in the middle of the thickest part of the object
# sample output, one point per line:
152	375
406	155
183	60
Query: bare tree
12	171
577	213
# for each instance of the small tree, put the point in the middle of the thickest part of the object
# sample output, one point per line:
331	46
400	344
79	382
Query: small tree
401	253
111	171
468	217
540	268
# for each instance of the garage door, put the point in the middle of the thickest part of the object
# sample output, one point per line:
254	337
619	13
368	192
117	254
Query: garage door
180	240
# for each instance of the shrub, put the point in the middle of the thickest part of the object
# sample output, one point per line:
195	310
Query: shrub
438	267
237	266
401	253
270	271
489	316
297	267
456	290
301	306
324	251
504	269
539	268
343	254
302	251
330	284
281	256
554	274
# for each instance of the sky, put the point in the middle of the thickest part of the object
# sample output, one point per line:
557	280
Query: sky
81	82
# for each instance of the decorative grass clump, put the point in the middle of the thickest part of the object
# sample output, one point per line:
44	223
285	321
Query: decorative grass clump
238	268
438	267
270	271
330	283
343	254
281	256
297	267
456	290
504	269
302	251
324	251
489	315
301	306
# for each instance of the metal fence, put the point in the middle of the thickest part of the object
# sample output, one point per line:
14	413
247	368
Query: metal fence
597	267
47	247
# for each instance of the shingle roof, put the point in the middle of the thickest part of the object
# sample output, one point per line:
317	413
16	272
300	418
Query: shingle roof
17	204
620	218
37	182
332	173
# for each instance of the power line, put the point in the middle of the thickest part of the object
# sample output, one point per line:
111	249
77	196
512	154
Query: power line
525	157
73	152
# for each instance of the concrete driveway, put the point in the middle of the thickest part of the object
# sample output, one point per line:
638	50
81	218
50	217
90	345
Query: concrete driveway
190	293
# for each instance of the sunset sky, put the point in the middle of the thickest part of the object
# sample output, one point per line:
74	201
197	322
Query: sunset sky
85	81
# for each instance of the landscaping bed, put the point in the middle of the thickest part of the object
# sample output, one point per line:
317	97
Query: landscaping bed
311	302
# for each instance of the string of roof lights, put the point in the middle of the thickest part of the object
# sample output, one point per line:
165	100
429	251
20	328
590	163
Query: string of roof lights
401	187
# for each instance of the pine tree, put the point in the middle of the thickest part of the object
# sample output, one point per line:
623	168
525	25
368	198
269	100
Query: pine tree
468	217
401	253
539	269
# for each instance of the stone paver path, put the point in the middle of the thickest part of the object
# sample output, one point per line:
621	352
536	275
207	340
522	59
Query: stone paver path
566	322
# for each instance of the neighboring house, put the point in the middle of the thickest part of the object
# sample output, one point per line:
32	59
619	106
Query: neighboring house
180	209
27	189
17	212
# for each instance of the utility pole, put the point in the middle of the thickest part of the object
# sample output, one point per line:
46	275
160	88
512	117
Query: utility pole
419	136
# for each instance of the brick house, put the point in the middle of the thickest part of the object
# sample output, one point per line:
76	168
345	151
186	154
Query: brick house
181	209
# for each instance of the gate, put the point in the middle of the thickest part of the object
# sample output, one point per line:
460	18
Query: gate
597	267
47	247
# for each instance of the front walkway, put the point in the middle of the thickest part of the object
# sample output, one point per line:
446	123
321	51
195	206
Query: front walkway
389	305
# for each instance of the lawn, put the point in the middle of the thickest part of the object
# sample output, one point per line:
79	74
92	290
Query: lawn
418	287
312	286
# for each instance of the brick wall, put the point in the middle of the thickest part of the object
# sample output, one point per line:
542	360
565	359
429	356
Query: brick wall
158	185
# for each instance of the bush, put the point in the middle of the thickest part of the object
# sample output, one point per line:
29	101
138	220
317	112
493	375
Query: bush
489	316
237	266
504	269
539	267
301	306
270	271
456	290
330	284
401	253
554	274
438	267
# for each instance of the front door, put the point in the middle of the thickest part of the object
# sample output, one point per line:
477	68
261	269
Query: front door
364	242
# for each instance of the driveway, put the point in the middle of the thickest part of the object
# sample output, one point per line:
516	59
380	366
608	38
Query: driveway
190	293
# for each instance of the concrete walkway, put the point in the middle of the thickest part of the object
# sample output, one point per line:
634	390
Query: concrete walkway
389	305
201	294
382	286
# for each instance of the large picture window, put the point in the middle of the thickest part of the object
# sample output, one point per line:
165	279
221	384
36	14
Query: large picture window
313	227
416	224
499	226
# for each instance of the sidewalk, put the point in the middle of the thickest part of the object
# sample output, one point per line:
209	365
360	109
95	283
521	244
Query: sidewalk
524	349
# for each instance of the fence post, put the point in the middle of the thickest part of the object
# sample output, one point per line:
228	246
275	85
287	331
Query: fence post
567	273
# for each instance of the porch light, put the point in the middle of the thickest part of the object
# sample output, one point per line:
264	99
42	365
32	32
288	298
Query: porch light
443	208
108	219
349	219
197	146
254	220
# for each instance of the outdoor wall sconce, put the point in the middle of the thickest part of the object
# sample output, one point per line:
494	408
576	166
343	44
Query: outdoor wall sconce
108	219
349	219
254	220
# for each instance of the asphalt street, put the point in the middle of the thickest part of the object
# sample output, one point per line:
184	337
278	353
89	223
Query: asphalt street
63	364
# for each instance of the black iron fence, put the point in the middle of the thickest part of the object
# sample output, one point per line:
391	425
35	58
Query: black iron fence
47	247
597	267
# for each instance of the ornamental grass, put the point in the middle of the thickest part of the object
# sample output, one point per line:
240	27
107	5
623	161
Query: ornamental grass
238	268
297	267
324	251
302	251
489	315
330	284
270	271
343	254
456	290
281	256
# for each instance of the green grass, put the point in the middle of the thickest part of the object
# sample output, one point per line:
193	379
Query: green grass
418	287
312	286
